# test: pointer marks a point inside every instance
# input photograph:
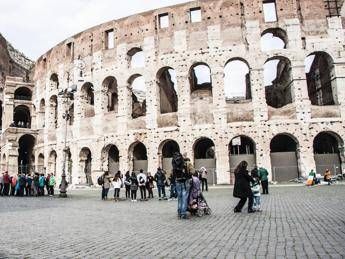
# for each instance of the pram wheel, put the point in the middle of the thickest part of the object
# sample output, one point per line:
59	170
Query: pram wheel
200	213
208	211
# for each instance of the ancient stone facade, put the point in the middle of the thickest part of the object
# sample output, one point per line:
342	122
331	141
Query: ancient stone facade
197	77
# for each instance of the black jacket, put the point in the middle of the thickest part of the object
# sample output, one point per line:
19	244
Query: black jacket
242	184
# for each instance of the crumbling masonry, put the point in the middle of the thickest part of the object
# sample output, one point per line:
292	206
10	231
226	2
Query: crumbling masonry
220	80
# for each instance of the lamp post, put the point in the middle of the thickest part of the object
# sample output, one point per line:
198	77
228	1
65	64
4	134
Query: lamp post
66	95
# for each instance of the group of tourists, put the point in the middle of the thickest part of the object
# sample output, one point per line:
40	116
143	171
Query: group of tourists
27	184
314	179
247	186
133	182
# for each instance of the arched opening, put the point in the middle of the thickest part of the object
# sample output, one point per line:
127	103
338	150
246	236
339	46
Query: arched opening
166	150
52	162
273	39
42	113
137	84
327	155
110	89
200	80
25	152
54	82
138	153
241	148
22	117
204	156
23	93
284	158
278	82
40	163
53	112
321	79
136	58
85	163
166	80
111	159
87	100
237	80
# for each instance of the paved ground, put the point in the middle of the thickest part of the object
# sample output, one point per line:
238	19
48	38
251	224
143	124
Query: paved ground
297	222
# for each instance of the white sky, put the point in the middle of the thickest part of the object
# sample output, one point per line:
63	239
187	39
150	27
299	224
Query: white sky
35	26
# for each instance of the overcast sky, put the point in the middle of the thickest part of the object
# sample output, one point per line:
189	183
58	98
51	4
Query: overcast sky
35	26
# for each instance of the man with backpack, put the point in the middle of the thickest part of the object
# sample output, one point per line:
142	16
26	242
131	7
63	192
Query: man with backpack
181	173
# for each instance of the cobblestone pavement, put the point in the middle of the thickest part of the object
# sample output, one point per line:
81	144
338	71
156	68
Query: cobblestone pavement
296	222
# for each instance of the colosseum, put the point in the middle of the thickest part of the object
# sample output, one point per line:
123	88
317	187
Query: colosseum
219	80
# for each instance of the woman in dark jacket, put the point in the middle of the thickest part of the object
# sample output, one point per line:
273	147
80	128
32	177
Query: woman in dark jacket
242	187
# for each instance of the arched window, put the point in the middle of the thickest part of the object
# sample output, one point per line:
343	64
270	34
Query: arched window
137	84
273	39
42	113
22	117
26	145
85	163
53	114
139	156
54	82
23	93
136	58
111	96
87	100
321	81
237	80
166	80
200	78
278	80
110	158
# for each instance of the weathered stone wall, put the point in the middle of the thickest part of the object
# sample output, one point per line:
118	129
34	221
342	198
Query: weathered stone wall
228	30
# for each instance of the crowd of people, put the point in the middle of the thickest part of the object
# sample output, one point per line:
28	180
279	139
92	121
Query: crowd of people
27	184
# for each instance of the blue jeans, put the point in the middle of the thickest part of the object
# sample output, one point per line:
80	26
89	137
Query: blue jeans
257	202
173	193
182	189
161	191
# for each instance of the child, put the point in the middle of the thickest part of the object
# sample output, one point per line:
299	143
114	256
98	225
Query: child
255	186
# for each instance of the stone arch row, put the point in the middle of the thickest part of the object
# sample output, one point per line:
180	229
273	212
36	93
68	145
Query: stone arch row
278	82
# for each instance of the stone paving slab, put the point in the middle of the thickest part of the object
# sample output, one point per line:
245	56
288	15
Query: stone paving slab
296	222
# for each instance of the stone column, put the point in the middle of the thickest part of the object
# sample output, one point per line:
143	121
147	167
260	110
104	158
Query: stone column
222	163
263	158
339	70
219	105
184	99
125	106
258	95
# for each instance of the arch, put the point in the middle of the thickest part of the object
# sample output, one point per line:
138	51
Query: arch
23	93
52	162
237	80
87	100
138	154
166	150
85	164
167	84
54	82
40	163
321	79
136	57
328	150
278	81
204	156
26	144
22	117
273	39
138	87
284	157
42	113
110	93
53	111
110	159
200	78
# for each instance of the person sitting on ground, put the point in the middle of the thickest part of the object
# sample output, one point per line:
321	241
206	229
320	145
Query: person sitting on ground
255	186
134	187
160	180
149	184
142	184
328	177
117	183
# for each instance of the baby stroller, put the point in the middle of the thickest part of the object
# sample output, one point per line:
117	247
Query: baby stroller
199	206
197	202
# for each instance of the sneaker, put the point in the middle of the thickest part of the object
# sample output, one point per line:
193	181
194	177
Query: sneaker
159	199
237	211
251	211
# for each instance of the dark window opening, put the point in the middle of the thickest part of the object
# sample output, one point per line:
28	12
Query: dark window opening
204	149
167	90
283	143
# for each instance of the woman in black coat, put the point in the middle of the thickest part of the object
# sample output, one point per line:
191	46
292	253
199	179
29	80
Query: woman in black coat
242	188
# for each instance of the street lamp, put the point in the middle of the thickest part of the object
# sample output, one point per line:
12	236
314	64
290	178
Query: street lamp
66	95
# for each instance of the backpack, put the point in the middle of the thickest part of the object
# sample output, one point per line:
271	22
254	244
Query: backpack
141	180
100	180
178	161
